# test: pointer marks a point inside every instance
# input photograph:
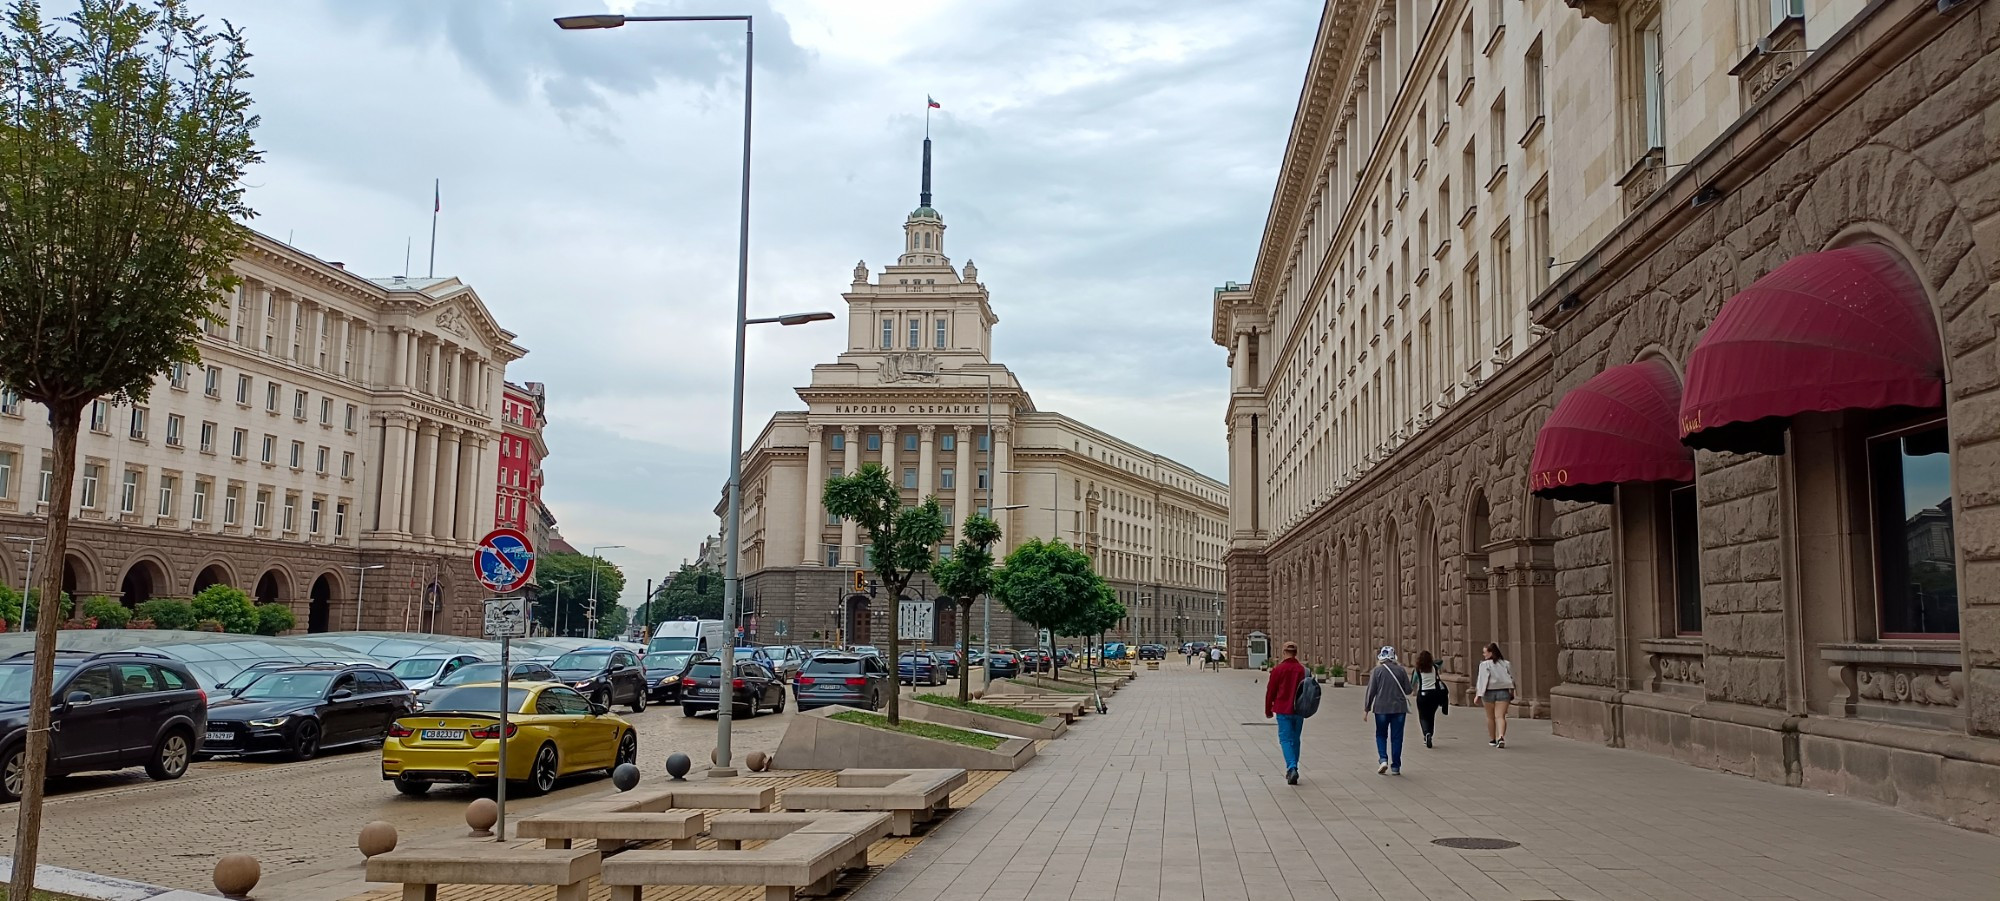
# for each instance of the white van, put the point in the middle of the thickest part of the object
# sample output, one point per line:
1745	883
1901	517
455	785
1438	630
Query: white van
698	635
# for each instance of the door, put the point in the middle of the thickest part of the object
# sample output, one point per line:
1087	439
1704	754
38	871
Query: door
628	681
387	700
596	736
346	719
87	732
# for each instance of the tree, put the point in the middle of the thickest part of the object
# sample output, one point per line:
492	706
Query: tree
966	576
564	581
1050	585
124	136
1096	618
693	591
901	543
612	621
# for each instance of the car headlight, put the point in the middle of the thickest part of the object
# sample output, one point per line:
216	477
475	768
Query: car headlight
271	723
584	684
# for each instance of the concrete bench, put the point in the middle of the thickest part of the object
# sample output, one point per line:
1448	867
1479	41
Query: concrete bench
613	830
801	852
688	798
909	796
422	870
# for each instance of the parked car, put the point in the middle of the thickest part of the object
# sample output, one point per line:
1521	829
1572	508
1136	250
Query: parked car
784	660
953	661
552	731
849	680
112	710
920	668
250	673
1152	652
418	673
606	676
665	671
488	671
301	710
868	650
1034	660
753	688
1005	664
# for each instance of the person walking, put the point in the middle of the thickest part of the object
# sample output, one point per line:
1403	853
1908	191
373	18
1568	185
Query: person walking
1279	693
1215	658
1432	696
1495	690
1387	698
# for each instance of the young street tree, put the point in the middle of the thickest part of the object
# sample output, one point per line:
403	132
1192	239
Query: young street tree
1049	585
966	576
901	541
125	132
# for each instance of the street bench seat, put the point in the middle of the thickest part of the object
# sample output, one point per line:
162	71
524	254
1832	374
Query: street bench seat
422	870
613	830
908	796
801	852
730	830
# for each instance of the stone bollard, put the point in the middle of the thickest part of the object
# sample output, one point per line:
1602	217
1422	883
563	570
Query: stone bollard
481	814
625	778
757	761
377	838
678	765
236	875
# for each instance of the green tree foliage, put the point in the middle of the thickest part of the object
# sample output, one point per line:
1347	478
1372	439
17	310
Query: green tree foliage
108	613
125	133
1050	585
966	576
565	586
902	541
10	607
227	605
612	622
274	619
693	591
166	613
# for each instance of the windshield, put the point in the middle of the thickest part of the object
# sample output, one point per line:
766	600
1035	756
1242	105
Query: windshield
674	643
15	678
473	672
670	662
296	686
417	667
774	651
833	665
707	669
476	699
590	661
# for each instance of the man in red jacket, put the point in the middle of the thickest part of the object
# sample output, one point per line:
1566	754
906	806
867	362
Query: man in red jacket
1278	696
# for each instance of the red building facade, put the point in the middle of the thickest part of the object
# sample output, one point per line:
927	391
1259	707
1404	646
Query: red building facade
521	453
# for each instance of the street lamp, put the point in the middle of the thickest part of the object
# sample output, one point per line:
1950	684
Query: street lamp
555	616
590	614
28	583
360	585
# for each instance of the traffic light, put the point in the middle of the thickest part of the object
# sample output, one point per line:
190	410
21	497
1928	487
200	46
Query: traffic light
860	582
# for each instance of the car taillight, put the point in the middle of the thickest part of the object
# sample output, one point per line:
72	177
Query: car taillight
398	730
736	684
493	731
204	696
804	680
856	680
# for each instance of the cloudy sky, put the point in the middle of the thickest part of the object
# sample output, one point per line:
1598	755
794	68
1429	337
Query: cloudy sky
1107	164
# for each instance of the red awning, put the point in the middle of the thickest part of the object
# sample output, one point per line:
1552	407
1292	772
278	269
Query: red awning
1616	428
1844	329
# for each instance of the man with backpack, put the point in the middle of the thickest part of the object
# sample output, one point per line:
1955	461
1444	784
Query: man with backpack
1290	696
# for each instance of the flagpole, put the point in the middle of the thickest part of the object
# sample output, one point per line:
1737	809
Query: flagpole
437	203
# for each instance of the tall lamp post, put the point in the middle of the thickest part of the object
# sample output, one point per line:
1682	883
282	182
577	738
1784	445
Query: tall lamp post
27	584
361	585
555	615
590	613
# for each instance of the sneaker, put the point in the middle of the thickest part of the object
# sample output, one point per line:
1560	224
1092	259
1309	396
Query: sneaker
1500	743
1493	743
1395	771
1427	741
1383	767
1292	776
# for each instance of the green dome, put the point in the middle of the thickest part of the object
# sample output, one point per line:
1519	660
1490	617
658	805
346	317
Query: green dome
924	212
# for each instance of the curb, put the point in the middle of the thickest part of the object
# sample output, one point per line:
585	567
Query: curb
99	888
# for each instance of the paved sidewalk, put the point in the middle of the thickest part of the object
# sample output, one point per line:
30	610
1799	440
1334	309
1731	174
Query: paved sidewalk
1178	793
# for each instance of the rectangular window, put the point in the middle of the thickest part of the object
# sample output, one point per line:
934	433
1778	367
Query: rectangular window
232	500
839	441
1910	477
167	495
909	477
91	473
319	459
269	452
312	516
326	411
199	510
1503	285
100	416
948	442
875	441
940	334
832	520
298	455
208	437
982	483
299	405
6	474
128	493
1498	123
1652	84
261	512
888	333
177	376
833	555
291	512
1786	9
211	381
237	439
271	397
10	402
916	333
910	442
243	390
985	443
339	520
947	479
174	422
349	421
1534	73
347	464
1683	530
138	422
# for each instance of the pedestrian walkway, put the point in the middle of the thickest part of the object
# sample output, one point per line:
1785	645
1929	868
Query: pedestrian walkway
1179	794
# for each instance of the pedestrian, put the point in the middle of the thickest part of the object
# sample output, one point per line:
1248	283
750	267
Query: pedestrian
1215	657
1495	690
1279	694
1432	695
1387	698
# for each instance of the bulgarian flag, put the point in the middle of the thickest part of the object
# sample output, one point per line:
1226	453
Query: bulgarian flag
933	103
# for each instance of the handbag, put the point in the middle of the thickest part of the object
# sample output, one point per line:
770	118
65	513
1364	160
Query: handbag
1436	690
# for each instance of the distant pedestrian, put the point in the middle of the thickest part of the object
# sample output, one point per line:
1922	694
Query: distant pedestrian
1387	698
1279	694
1432	695
1215	658
1495	690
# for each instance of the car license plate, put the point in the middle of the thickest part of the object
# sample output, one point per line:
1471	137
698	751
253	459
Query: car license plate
220	736
443	734
699	692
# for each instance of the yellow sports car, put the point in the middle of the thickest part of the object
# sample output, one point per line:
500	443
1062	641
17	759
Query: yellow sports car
552	731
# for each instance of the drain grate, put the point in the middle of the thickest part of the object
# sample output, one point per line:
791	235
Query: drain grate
1476	844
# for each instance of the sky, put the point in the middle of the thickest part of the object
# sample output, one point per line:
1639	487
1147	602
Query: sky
1107	165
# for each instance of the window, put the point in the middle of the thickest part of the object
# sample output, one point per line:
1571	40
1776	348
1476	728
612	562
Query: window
100	415
833	555
1786	9
260	514
211	381
6	474
940	334
349	421
237	439
985	443
1534	72
299	405
174	430
944	513
875	441
208	437
91	473
1503	285
916	333
312	515
1498	137
177	376
326	411
10	402
832	519
269	452
128	493
1910	477
888	333
1465	51
1652	84
948	442
167	495
910	442
138	422
198	511
947	479
231	500
320	457
1540	256
298	455
271	397
982	483
291	512
347	464
243	390
339	520
909	477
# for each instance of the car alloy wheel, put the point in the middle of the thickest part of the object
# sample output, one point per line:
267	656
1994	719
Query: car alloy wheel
305	740
543	777
170	757
601	698
14	774
628	749
639	701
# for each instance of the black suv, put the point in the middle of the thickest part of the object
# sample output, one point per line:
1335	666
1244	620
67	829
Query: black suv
604	675
299	710
112	710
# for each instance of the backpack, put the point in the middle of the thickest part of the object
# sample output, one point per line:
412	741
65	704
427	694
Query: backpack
1306	702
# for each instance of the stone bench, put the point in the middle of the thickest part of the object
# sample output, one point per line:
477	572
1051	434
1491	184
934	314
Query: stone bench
614	830
687	798
909	796
801	852
422	870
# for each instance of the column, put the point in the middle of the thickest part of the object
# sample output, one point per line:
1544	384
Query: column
1003	460
1241	365
471	451
889	455
926	461
484	370
398	358
849	532
425	494
433	363
395	476
485	481
444	506
963	478
813	525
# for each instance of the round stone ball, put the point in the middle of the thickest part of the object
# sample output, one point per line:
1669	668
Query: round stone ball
236	875
678	765
625	778
758	761
377	838
481	814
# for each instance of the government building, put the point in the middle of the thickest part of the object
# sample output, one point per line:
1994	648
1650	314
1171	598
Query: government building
1655	342
337	429
918	392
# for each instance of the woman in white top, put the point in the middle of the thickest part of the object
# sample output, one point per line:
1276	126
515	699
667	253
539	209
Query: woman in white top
1495	690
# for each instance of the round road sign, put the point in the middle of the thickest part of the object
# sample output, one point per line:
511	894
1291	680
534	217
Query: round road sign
505	560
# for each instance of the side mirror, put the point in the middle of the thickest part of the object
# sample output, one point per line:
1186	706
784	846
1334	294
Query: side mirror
342	694
599	709
77	698
617	667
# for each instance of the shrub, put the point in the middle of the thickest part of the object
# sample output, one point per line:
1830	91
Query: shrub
109	613
273	619
167	613
228	606
1339	671
35	607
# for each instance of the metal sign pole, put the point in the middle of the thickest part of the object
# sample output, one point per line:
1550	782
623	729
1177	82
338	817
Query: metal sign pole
500	784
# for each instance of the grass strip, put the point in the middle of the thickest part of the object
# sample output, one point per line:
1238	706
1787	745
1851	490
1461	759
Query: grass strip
920	730
1019	716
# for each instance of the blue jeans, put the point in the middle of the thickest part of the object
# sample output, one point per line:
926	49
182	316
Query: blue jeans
1389	737
1288	738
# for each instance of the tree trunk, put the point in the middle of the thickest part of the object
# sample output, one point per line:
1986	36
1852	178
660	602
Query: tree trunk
63	421
896	649
965	651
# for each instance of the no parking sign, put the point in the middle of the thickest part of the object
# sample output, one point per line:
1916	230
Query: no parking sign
505	560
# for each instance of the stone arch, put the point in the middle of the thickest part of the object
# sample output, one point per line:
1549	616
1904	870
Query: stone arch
1392	584
856	620
1430	601
1366	626
1481	620
215	573
144	579
274	586
79	573
319	603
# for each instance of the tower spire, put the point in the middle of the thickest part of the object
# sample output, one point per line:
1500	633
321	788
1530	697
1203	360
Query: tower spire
924	198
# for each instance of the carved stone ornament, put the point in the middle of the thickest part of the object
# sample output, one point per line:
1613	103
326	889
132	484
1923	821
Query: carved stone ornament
1927	686
861	272
451	320
1605	11
1683	668
904	367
